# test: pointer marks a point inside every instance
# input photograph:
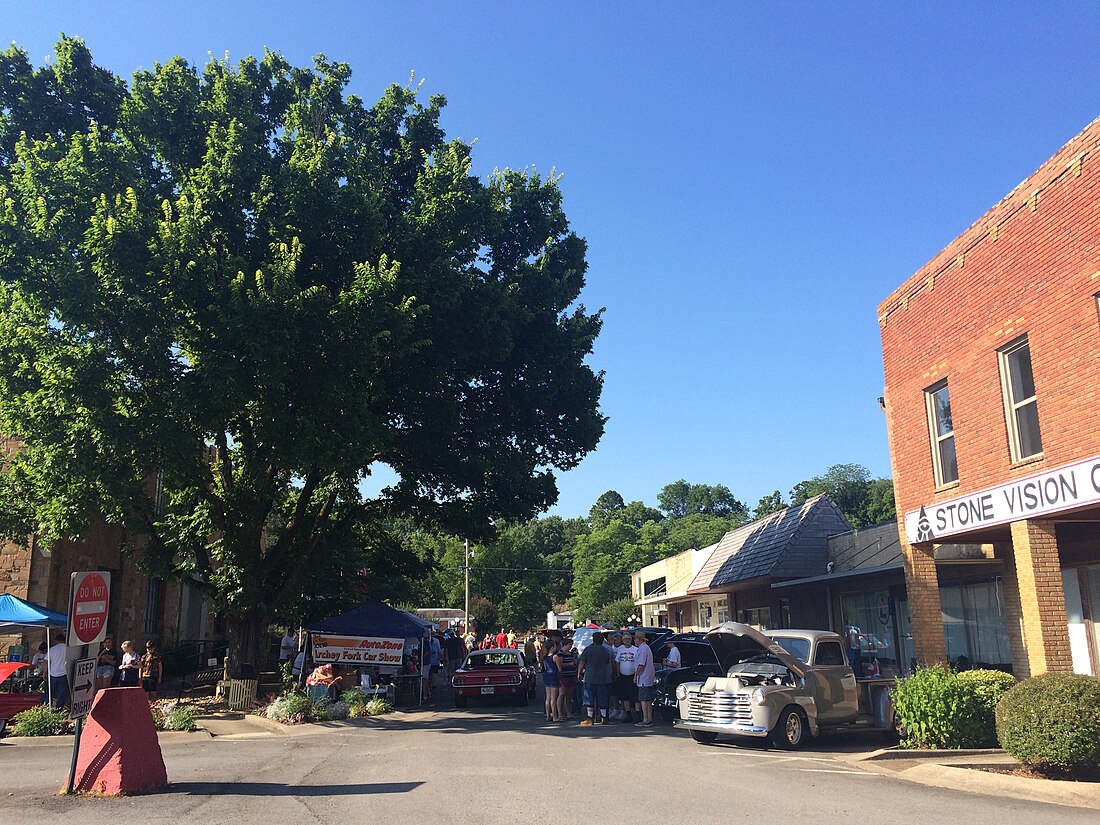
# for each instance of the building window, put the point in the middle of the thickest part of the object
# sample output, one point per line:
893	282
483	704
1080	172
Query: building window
653	587
1021	411
941	431
758	617
154	606
974	625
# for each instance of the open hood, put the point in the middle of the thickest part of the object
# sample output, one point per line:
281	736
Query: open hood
733	643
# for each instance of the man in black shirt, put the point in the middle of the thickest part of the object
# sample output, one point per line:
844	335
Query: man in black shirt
594	669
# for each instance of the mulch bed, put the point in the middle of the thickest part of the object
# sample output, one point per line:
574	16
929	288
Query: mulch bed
1081	775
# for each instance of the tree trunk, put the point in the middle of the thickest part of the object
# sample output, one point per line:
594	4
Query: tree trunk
245	634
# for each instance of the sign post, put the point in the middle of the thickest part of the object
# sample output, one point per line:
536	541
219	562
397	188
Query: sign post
89	604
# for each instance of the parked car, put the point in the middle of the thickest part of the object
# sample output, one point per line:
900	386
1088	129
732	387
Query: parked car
492	673
784	684
697	663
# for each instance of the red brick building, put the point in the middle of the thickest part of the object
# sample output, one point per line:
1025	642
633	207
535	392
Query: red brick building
992	362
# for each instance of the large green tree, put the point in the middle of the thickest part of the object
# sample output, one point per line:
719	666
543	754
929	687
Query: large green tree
251	285
865	501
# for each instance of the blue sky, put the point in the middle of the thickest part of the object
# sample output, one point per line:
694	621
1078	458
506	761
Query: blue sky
752	179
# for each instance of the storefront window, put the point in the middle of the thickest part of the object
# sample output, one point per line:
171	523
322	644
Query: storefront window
974	625
758	617
869	627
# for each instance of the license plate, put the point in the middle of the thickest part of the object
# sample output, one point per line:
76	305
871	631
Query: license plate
488	690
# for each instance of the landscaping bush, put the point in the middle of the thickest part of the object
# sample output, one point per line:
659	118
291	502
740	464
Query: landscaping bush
40	721
174	716
378	707
988	686
291	709
1051	723
939	710
327	711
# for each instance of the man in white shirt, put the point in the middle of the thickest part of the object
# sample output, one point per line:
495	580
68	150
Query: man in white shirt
644	676
625	690
672	657
57	667
288	646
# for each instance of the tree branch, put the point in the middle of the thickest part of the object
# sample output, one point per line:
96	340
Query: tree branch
294	577
286	537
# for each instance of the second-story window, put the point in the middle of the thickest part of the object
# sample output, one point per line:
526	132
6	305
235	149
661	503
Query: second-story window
1021	411
941	431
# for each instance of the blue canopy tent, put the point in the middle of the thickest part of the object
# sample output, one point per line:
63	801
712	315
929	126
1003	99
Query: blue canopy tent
376	618
19	614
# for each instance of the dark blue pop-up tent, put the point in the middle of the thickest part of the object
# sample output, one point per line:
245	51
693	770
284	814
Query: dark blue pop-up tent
377	619
17	614
371	619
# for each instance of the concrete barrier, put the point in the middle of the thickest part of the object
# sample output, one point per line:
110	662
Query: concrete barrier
119	751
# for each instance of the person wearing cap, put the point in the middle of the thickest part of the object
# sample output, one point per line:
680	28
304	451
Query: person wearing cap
644	677
594	669
624	688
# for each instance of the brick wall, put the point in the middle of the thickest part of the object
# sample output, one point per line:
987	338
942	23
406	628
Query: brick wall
1030	265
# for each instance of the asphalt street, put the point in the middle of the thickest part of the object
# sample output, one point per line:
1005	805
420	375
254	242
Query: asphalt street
498	765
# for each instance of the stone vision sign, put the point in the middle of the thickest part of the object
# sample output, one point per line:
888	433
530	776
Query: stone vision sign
1054	491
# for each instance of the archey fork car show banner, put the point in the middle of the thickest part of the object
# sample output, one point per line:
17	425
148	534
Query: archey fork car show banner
1065	488
356	650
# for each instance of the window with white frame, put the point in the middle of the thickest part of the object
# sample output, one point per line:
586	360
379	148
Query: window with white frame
1021	411
941	431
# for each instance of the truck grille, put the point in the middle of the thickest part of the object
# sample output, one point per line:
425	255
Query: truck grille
720	708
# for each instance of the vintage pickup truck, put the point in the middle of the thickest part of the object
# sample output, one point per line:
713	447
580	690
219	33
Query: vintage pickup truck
786	684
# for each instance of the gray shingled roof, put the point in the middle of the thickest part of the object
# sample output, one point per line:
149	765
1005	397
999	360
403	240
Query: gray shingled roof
789	544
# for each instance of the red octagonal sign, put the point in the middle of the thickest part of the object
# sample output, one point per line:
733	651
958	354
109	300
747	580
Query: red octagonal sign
88	605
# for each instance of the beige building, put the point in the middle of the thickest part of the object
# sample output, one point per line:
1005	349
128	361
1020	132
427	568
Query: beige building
660	591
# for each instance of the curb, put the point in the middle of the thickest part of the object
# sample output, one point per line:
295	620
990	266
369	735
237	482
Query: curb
1051	791
887	754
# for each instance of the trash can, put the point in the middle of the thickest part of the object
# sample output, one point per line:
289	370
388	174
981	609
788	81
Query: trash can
242	694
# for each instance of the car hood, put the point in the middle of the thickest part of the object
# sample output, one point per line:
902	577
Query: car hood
733	642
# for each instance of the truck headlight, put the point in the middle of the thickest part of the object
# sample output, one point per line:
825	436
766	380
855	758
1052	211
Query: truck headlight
759	697
681	692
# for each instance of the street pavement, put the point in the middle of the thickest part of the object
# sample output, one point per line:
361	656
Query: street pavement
493	764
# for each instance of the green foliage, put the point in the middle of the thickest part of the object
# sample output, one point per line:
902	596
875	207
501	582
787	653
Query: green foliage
986	688
769	504
174	716
291	709
40	721
939	710
1052	722
378	707
681	499
618	612
484	614
260	288
865	501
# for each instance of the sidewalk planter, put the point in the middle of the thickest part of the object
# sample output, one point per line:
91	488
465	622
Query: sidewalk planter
242	693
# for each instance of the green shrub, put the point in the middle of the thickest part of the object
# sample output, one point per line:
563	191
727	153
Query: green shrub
356	702
326	711
40	721
1052	722
290	709
939	710
378	707
987	686
174	716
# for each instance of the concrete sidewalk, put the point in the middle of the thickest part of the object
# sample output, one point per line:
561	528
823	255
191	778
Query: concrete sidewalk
976	771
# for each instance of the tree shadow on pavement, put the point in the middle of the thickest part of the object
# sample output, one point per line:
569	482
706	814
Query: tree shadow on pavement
280	789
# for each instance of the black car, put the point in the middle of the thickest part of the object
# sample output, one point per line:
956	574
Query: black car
697	663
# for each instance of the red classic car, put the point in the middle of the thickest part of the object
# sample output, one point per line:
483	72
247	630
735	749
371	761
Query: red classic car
494	672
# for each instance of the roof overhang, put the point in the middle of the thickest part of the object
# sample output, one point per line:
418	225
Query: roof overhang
731	587
847	575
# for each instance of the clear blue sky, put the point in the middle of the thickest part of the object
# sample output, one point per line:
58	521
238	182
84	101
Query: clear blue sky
752	179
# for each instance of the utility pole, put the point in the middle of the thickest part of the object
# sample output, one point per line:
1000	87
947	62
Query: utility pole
466	567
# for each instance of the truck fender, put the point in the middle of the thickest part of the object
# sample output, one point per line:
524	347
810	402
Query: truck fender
809	706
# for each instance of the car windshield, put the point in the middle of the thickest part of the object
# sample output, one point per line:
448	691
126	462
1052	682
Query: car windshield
799	648
477	660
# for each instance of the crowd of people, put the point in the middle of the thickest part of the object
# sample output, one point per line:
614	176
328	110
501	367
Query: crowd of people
114	668
611	680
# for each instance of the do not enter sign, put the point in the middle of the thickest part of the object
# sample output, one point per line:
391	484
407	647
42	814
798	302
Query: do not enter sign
89	600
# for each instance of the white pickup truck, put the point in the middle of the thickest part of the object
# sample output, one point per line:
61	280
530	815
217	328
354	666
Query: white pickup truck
786	684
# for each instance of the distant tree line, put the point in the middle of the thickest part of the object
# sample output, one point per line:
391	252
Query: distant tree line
585	562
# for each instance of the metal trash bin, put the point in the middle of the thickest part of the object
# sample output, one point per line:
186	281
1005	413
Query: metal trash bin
242	693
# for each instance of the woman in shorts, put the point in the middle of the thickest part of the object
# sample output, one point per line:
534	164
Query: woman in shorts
551	680
106	664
